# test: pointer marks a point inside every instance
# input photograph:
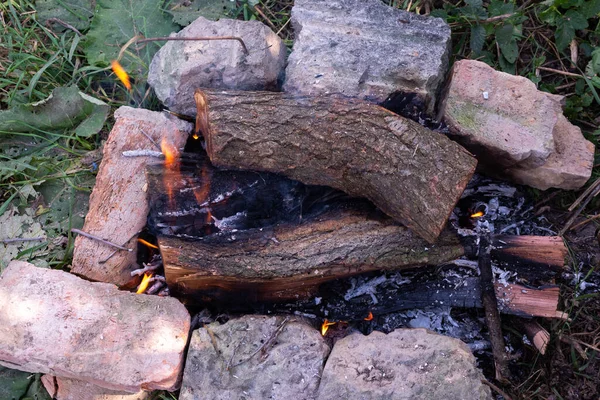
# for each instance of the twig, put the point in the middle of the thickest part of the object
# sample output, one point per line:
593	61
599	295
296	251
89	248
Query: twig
63	23
99	239
115	252
558	71
147	268
490	305
582	223
496	18
166	38
142	153
496	389
15	240
151	140
585	194
267	343
590	195
264	17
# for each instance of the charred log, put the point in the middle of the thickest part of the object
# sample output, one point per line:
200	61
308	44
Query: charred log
290	261
414	175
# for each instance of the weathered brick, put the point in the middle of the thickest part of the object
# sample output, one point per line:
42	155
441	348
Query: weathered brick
56	323
72	389
118	205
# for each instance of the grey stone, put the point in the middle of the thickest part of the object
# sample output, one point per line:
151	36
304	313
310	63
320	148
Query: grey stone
366	49
501	118
569	167
180	67
57	323
236	361
404	364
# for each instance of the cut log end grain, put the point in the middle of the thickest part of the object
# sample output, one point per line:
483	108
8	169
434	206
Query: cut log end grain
411	173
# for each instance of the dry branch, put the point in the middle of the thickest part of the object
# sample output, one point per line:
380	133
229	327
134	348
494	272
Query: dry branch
411	173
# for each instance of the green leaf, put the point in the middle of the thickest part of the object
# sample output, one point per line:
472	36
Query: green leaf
564	33
117	21
65	108
477	39
590	9
440	13
577	20
185	12
507	42
550	16
499	7
595	62
77	13
13	383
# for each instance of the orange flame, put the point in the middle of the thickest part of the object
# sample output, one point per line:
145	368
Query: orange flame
202	192
145	243
369	317
144	283
325	326
121	74
477	214
171	163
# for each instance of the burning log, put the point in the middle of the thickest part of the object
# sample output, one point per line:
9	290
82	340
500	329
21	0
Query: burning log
414	175
290	261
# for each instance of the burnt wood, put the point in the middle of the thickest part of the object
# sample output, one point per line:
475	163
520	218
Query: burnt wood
290	261
411	173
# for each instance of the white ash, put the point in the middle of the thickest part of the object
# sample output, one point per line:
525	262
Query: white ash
579	281
361	286
229	223
502	276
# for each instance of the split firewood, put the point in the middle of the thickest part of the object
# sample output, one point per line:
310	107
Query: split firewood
490	306
411	173
537	335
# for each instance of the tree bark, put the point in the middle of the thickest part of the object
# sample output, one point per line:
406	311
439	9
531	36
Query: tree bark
411	173
290	261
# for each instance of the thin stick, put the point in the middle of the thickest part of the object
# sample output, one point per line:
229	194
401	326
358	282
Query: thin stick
99	239
496	18
165	38
584	194
115	252
16	240
142	153
582	223
490	305
583	205
63	23
558	71
496	389
265	344
152	140
264	17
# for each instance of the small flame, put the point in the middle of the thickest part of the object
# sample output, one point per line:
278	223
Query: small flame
477	214
121	74
145	243
325	326
144	283
171	154
369	317
171	163
195	136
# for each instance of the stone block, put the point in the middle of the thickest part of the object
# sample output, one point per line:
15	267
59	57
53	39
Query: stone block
569	167
57	323
72	389
501	118
181	67
404	364
254	357
366	49
118	205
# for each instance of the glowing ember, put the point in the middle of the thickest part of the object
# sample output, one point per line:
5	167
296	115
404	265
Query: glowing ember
121	74
195	136
325	326
144	283
477	214
369	317
145	243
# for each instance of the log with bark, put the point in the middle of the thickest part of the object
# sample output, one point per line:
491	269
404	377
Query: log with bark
411	173
290	261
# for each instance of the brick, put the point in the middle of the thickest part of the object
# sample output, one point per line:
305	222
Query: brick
118	205
72	389
57	323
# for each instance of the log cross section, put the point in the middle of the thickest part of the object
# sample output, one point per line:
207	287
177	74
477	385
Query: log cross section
411	173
